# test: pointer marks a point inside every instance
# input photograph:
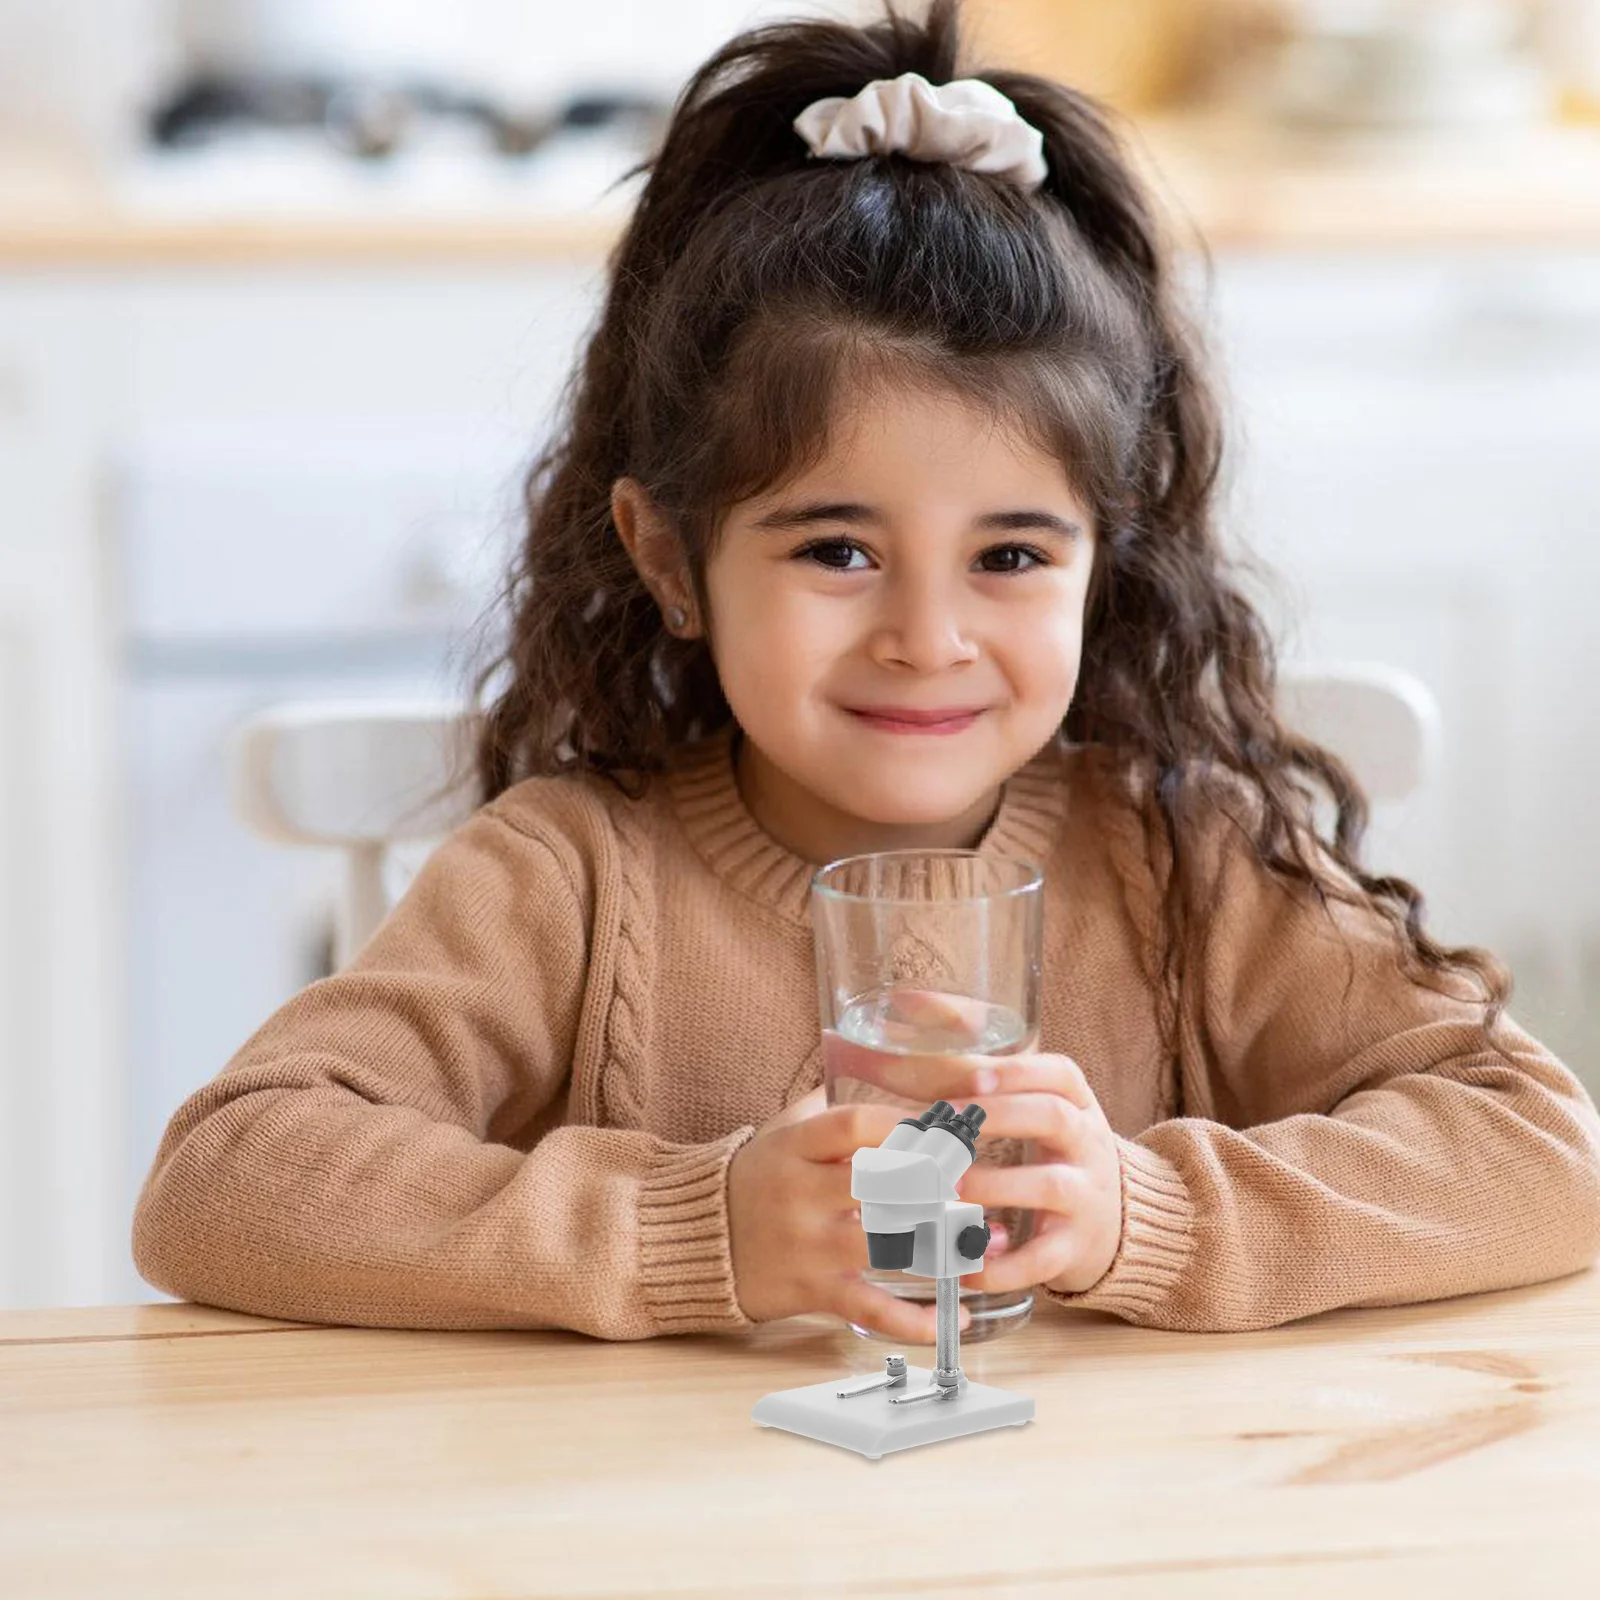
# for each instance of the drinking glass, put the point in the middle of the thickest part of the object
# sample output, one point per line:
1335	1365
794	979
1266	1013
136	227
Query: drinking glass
930	953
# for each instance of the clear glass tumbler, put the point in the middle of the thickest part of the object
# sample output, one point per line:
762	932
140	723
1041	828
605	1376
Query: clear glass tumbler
930	953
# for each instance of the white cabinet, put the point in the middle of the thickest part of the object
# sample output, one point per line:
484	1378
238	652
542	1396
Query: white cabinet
216	487
1418	443
59	973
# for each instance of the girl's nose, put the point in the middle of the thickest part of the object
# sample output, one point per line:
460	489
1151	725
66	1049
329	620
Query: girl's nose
924	626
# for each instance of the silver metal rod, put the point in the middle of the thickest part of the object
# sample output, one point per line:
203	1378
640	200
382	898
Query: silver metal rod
947	1381
948	1348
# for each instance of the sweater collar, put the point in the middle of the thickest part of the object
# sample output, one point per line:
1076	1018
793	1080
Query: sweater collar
705	795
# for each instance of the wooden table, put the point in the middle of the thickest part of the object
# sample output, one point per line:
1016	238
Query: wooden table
170	1450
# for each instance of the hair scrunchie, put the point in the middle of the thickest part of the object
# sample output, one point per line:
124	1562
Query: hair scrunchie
966	122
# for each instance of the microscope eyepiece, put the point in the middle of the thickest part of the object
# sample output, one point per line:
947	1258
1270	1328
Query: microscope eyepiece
934	1115
963	1126
941	1114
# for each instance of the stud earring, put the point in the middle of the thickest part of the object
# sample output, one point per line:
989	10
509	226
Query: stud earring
676	616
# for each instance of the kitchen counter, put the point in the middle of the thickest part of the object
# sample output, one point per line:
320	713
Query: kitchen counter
304	207
1241	186
173	1450
1226	179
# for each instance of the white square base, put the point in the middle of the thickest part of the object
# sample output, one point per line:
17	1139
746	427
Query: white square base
868	1423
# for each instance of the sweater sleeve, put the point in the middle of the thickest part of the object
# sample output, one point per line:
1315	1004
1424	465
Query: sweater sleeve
1361	1139
357	1160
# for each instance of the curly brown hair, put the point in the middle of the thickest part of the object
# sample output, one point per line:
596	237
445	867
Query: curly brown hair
750	283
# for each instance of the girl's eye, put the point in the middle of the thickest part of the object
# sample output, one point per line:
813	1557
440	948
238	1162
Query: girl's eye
815	551
848	546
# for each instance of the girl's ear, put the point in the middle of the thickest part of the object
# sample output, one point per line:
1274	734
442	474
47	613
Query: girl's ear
653	545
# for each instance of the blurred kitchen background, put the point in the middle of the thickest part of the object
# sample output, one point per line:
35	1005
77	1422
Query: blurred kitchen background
287	292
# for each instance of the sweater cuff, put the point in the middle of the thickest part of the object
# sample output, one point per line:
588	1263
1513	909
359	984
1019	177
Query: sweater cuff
1158	1236
685	1264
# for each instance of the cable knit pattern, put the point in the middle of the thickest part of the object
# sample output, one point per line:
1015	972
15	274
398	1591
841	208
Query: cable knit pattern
517	1106
635	981
1133	841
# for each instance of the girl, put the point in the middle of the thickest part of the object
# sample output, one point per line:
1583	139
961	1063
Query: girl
880	516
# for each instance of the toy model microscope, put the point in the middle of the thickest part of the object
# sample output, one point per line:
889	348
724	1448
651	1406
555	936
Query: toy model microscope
914	1222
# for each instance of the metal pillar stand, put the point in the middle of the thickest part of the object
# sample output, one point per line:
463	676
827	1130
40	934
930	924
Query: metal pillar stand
948	1378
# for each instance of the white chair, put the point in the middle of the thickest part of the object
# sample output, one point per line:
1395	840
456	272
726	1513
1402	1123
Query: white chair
360	776
1383	722
365	777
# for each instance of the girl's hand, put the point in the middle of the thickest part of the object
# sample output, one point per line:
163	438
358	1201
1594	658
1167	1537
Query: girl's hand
794	1231
1075	1190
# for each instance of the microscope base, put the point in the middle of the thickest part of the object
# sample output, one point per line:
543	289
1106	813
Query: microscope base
869	1424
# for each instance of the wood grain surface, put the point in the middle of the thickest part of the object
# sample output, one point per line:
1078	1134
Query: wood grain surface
173	1451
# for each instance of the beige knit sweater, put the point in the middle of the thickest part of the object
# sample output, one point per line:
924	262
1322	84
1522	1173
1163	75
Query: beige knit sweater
517	1106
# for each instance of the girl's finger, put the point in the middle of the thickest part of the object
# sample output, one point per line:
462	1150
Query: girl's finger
914	1081
1046	1255
870	1307
808	1105
835	1134
913	1013
1049	1119
1053	1186
1043	1071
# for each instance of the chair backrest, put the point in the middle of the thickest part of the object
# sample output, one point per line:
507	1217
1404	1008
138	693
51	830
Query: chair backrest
1384	723
361	776
364	777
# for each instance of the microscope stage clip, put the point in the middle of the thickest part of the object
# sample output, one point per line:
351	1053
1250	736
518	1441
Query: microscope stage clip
894	1372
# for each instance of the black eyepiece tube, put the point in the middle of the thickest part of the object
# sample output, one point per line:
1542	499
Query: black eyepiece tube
957	1127
973	1116
936	1113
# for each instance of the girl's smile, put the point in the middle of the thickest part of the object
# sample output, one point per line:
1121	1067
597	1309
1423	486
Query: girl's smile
937	723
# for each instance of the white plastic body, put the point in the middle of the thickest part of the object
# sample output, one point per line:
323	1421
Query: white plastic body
872	1426
908	1184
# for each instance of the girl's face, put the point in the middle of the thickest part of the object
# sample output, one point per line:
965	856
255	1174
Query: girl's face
932	561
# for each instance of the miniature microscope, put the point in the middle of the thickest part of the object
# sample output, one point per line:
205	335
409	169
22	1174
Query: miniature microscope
915	1223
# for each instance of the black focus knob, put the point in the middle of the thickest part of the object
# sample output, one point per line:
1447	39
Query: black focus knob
973	1241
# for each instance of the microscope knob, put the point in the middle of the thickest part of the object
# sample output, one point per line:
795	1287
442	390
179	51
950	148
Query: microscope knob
973	1241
